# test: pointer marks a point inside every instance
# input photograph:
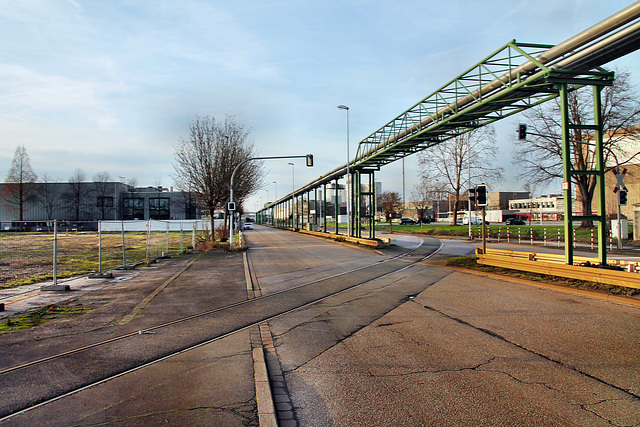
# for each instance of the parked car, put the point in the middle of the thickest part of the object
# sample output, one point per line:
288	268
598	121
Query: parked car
474	220
515	221
407	221
247	226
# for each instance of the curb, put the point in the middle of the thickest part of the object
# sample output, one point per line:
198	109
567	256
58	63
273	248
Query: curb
608	297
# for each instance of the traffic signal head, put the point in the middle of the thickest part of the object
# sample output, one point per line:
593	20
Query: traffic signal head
622	197
309	160
481	195
522	132
472	194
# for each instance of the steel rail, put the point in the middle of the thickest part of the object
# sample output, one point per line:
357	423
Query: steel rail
202	314
215	338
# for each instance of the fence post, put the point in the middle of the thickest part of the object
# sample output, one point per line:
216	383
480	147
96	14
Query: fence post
193	236
148	237
181	239
124	252
167	239
55	252
99	246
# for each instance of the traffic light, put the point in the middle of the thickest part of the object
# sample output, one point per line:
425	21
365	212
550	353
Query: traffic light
622	197
472	194
522	132
481	195
231	206
309	160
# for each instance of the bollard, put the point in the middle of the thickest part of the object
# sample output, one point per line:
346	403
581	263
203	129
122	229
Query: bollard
519	236
558	237
574	238
508	236
545	237
531	234
499	232
610	241
591	239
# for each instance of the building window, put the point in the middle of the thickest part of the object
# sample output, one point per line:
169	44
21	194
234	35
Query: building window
159	208
104	202
133	208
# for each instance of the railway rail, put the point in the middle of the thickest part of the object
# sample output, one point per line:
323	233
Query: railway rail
35	383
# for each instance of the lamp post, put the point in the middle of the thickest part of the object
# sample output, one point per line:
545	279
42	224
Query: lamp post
276	196
348	177
293	181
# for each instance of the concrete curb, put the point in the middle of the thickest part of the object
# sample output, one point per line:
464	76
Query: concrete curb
267	416
608	297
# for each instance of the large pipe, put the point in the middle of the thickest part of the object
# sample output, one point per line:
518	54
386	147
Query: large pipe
588	58
613	22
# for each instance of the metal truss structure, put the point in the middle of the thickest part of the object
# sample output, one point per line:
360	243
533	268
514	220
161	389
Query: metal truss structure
516	77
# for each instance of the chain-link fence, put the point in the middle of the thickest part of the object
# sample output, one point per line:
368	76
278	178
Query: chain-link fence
32	252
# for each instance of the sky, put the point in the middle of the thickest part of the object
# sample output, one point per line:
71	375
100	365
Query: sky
113	85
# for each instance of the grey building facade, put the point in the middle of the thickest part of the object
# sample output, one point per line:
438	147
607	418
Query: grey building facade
93	201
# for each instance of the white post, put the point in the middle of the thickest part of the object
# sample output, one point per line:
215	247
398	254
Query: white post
55	252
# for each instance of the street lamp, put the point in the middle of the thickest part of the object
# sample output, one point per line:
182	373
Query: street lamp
293	184
347	178
276	196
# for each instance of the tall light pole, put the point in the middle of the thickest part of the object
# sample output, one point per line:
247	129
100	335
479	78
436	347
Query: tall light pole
348	177
276	196
293	181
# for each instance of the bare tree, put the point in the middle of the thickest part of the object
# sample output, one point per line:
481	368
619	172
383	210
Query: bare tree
207	158
389	202
425	194
20	185
104	192
76	195
49	196
540	157
451	161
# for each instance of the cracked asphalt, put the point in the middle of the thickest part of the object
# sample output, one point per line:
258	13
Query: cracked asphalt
467	349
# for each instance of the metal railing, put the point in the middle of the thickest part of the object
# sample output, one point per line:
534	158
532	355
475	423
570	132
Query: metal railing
32	252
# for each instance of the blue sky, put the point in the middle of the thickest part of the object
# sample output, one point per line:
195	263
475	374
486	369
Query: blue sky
112	85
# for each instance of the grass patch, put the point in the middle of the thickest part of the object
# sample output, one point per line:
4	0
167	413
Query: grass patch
38	316
471	264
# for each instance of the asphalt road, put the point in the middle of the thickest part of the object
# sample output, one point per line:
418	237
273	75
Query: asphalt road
360	337
466	350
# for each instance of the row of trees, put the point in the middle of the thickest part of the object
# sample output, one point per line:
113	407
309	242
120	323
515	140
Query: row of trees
446	167
22	187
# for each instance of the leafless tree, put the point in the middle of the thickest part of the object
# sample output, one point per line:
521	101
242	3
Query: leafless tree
426	194
540	158
205	160
103	190
20	185
389	202
77	194
49	193
451	161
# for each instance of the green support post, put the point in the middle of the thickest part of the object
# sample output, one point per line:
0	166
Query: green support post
337	206
566	174
600	178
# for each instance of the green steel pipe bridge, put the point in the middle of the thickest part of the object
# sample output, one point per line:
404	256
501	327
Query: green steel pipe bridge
516	77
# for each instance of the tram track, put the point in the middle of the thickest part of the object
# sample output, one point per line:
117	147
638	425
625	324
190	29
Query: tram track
233	318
